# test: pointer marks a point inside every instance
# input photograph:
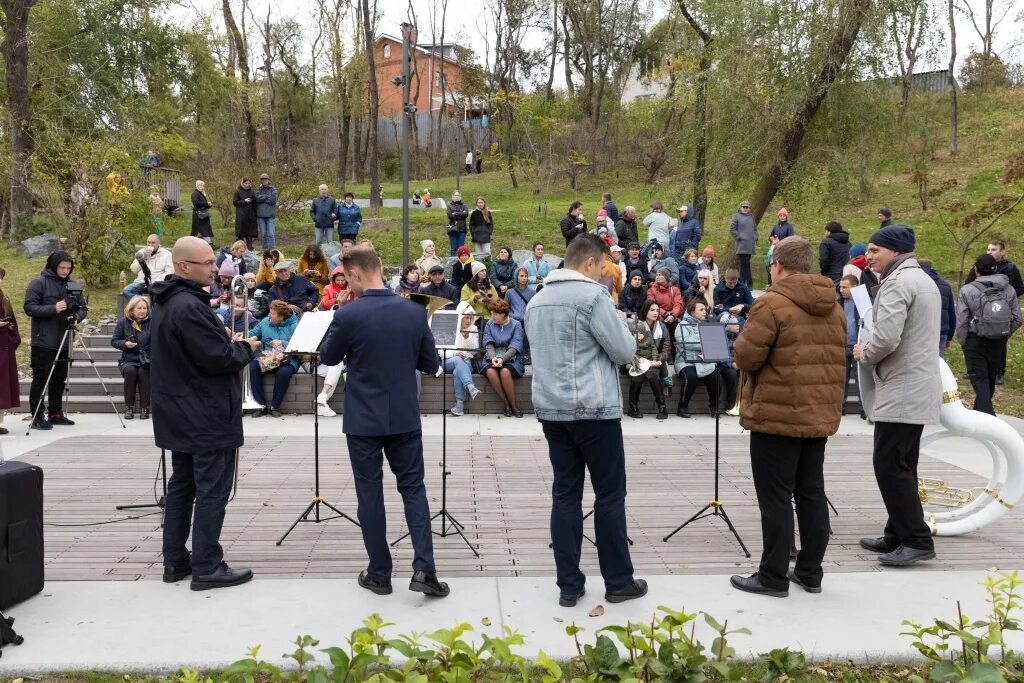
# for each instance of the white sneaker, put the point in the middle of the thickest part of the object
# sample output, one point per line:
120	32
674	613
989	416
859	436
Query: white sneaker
734	411
324	410
473	391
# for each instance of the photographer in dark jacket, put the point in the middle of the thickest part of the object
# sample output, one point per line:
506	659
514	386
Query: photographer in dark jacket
53	310
573	223
834	252
197	415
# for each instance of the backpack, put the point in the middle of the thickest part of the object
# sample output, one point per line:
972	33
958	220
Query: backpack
993	319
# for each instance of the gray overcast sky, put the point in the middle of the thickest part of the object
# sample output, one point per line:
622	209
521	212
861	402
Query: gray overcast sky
467	21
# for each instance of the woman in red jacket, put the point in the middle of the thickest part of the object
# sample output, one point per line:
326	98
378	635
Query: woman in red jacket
668	297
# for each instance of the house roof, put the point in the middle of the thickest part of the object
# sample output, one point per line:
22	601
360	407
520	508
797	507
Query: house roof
419	47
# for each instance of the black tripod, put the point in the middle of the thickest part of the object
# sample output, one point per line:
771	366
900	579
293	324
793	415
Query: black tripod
162	502
69	339
318	500
715	506
449	525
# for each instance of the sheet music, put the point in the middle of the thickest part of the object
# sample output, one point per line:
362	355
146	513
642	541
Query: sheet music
310	332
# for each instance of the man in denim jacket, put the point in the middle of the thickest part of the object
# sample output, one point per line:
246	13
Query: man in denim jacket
578	340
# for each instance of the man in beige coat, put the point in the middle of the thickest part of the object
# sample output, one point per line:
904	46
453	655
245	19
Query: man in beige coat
908	391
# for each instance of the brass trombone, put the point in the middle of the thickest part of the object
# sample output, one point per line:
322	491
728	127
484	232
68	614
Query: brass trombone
240	291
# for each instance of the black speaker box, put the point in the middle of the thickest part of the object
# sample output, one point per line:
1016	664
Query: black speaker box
21	532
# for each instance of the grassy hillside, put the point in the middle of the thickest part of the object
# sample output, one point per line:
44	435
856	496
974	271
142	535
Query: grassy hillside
991	129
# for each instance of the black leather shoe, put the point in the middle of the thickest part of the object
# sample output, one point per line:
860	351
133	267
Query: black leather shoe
508	412
274	412
796	579
637	589
682	412
261	412
41	423
571	600
175	574
222	577
61	419
517	413
427	583
752	584
904	556
876	545
144	415
378	587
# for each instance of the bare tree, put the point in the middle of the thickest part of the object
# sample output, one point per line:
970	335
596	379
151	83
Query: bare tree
993	14
19	108
549	91
908	21
700	161
369	15
954	112
241	51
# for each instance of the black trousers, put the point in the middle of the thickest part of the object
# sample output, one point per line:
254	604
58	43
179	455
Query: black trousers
787	470
575	448
42	360
729	381
745	273
897	448
405	458
202	480
690	381
136	377
982	357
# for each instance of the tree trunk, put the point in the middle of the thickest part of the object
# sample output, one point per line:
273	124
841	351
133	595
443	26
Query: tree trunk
19	110
953	109
549	91
700	165
840	45
371	68
566	45
242	56
344	129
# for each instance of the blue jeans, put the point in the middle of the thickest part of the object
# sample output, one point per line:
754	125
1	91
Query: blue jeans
202	479
456	240
405	458
324	235
282	378
461	371
574	448
268	234
134	289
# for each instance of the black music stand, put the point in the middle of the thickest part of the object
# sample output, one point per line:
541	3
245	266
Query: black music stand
449	525
162	502
712	348
306	341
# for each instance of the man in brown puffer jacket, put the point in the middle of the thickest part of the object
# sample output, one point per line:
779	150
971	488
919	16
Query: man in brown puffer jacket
793	349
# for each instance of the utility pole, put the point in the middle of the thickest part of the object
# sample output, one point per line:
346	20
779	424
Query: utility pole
408	109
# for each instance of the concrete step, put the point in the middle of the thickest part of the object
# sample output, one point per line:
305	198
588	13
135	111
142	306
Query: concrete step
82	368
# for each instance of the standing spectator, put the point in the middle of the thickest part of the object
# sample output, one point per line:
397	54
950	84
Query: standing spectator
792	348
997	248
479	161
783	228
537	267
625	228
611	275
350	218
908	389
481	227
156	210
469	161
462	270
605	228
834	252
687	232
266	212
518	297
437	286
653	342
707	262
852	316
769	257
609	206
987	313
504	350
131	338
201	227
691	371
948	325
300	294
667	296
688	269
657	224
743	230
884	217
732	295
578	399
157	260
314	267
659	260
265	273
633	295
429	259
197	416
858	262
573	223
478	292
10	340
273	332
503	271
457	213
52	312
244	200
324	212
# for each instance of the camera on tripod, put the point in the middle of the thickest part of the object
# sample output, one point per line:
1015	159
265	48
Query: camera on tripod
74	296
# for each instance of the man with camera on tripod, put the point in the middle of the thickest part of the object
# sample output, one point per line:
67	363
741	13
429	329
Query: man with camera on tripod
55	303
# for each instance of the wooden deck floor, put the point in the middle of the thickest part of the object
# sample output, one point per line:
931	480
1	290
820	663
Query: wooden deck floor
500	491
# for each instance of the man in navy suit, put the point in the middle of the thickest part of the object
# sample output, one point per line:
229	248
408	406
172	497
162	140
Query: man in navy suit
384	341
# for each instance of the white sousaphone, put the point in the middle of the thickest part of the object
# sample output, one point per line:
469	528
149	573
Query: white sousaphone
963	510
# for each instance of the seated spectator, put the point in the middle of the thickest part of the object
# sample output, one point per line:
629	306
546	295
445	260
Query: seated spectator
688	368
701	289
428	259
259	301
611	273
265	273
131	338
346	246
503	355
659	261
732	295
333	375
297	292
462	271
275	331
726	372
459	363
688	269
233	317
236	252
503	271
667	296
707	262
634	294
653	342
338	292
478	292
409	282
519	296
636	261
157	259
537	267
437	286
220	291
314	267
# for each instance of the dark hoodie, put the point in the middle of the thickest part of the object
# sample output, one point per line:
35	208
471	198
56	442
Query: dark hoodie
195	372
632	298
948	324
793	349
41	297
833	254
457	213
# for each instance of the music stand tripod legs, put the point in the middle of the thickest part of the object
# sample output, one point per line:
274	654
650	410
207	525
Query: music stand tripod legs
162	503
